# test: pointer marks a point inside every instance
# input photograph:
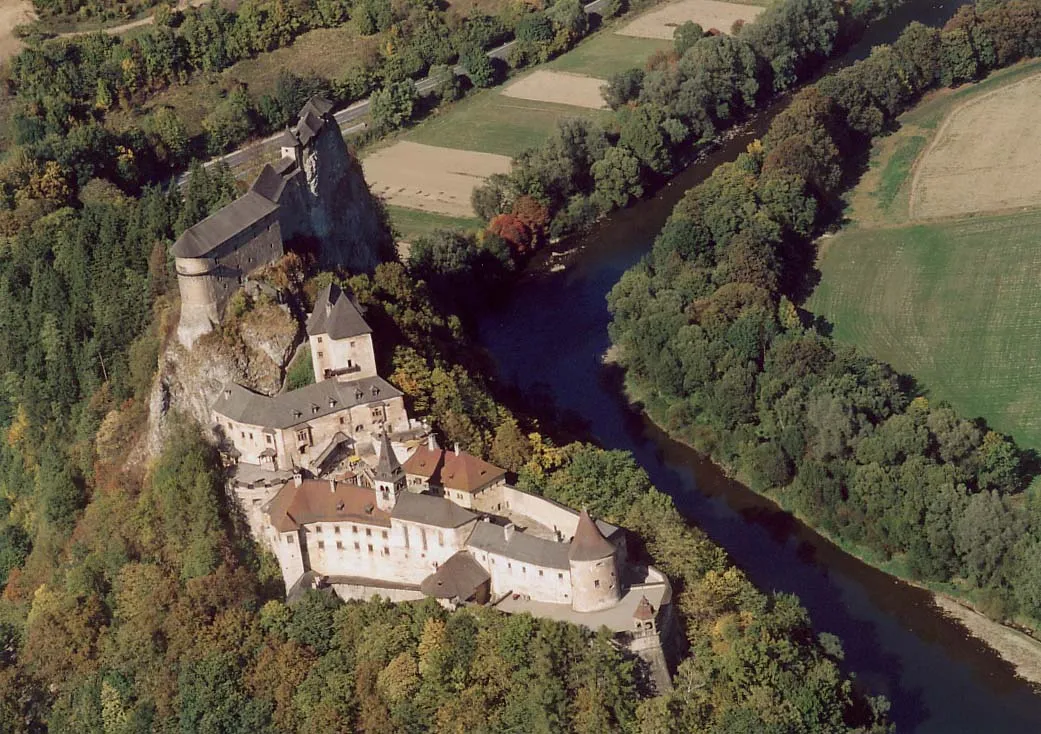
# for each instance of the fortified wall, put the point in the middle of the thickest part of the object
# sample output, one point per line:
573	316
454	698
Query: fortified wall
315	196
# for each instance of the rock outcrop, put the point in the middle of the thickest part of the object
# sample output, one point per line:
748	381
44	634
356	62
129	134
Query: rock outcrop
253	350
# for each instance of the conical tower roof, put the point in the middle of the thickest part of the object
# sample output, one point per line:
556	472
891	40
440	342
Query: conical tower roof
644	611
388	468
589	544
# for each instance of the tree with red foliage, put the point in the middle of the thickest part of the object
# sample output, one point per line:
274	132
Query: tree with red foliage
534	215
515	233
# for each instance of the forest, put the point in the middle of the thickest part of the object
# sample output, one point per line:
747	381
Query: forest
78	102
717	350
134	599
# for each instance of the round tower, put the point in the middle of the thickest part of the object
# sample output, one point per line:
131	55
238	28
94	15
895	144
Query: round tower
594	568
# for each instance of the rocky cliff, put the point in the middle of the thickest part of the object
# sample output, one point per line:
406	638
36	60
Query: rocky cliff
331	204
253	349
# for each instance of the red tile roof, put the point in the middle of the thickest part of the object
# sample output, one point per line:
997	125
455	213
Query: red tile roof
460	471
322	500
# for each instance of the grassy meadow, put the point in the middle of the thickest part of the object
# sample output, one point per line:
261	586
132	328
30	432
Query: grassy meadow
955	303
412	223
607	53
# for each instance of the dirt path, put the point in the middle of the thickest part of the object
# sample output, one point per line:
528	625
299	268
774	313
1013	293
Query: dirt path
1022	651
13	13
117	29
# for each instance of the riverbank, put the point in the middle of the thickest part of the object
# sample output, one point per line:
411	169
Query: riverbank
1018	648
1014	646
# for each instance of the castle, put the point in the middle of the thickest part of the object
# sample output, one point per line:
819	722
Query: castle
315	194
349	493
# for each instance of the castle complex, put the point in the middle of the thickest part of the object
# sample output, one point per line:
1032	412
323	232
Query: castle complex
315	192
349	493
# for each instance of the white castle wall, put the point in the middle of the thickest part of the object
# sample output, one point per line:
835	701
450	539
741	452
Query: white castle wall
336	354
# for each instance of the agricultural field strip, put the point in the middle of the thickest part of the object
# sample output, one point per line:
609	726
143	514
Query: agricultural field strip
560	88
706	13
955	304
986	156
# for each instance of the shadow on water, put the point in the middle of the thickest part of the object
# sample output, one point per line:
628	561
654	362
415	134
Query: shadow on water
548	340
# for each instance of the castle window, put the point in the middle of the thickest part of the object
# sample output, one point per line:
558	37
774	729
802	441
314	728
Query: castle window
423	536
342	420
524	569
242	434
289	539
540	572
321	354
383	534
357	546
321	545
352	343
440	538
319	340
268	437
370	547
336	529
339	545
354	529
256	502
301	435
318	528
368	532
509	565
560	576
251	437
358	427
386	551
596	583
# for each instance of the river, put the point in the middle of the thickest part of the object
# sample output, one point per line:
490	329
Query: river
548	339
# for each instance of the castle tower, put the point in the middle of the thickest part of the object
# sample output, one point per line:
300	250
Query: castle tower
388	477
594	568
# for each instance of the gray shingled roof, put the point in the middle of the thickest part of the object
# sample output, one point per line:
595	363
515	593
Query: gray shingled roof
318	105
218	228
388	468
457	578
336	315
299	406
286	139
269	184
308	126
429	510
520	547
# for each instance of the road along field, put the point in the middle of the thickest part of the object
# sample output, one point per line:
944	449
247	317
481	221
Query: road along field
706	13
985	157
560	88
430	178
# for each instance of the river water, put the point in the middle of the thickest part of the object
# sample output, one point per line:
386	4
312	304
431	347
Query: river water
548	339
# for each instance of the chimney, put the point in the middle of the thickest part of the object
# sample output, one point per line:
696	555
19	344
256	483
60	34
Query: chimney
297	478
508	531
457	448
227	393
332	486
431	441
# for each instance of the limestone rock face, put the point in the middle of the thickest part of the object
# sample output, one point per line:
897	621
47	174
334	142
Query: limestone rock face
254	351
333	204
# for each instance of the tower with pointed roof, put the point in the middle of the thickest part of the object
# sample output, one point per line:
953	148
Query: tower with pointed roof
594	568
388	477
340	338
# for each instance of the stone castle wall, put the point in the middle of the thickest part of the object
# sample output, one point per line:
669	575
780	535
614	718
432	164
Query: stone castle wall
206	284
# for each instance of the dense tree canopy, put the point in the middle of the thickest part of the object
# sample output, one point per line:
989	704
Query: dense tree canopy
717	352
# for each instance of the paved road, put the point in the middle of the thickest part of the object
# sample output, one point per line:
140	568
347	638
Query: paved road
245	159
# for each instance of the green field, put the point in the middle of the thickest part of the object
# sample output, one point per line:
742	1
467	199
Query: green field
955	304
411	223
608	53
489	122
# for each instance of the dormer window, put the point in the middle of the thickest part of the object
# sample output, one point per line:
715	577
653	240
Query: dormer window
314	409
375	390
358	394
297	414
